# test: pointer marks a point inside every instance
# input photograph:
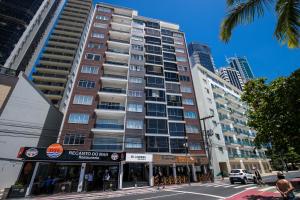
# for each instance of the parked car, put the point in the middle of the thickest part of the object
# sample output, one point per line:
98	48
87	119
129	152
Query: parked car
241	175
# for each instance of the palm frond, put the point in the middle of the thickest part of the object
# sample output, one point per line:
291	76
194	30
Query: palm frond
242	13
232	2
288	23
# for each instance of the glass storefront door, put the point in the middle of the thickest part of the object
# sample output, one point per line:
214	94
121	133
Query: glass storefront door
135	174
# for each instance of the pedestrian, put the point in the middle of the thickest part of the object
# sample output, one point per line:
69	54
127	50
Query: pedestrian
258	176
221	174
285	187
90	180
106	179
161	181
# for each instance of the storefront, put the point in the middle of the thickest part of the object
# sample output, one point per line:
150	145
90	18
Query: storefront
54	170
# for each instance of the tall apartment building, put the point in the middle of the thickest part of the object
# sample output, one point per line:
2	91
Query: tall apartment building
51	66
232	76
232	136
242	65
201	54
133	93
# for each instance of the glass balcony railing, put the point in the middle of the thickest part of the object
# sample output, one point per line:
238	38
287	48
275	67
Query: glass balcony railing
115	76
120	41
118	51
110	126
116	63
110	107
113	90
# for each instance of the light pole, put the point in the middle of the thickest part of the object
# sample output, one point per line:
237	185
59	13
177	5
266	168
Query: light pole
208	147
186	145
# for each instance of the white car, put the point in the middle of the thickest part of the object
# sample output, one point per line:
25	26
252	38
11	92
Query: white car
241	175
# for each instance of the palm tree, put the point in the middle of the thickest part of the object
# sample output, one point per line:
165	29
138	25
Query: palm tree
287	29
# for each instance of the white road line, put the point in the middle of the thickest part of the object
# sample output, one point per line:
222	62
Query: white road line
167	195
197	193
249	188
227	186
242	186
267	188
222	185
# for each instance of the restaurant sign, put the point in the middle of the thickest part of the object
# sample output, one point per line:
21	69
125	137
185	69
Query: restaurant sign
56	153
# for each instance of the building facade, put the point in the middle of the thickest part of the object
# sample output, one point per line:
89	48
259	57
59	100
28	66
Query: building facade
201	54
242	65
232	76
232	137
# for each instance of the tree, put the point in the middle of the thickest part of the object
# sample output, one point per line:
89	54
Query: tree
274	111
245	11
280	160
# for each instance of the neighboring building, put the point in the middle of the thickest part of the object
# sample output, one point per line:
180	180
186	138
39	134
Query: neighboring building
15	17
242	65
232	76
24	46
133	93
232	137
201	54
52	64
27	118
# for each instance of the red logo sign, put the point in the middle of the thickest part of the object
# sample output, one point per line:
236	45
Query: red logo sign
54	150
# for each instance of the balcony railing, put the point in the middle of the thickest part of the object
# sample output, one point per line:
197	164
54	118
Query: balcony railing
113	90
110	126
116	63
120	41
110	107
115	76
118	51
121	31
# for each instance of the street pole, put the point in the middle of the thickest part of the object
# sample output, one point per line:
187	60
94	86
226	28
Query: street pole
187	163
208	147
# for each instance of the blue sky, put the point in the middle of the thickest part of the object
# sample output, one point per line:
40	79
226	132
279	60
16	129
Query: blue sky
200	20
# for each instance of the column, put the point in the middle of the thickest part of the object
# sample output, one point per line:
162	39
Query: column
194	173
262	167
151	177
174	172
29	188
242	164
121	175
81	177
205	169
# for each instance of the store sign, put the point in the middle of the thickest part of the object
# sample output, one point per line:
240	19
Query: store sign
133	157
54	150
43	154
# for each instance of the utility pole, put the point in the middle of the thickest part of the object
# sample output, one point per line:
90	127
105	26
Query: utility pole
186	145
208	147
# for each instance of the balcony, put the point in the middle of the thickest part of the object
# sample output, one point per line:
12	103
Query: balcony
110	110
114	80
114	92
220	99
111	107
217	90
121	33
118	67
108	128
117	54
225	120
223	110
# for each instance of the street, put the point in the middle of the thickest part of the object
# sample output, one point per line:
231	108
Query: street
208	191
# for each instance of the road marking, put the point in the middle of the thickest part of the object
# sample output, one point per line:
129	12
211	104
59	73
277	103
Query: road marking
167	195
227	186
241	186
267	188
222	185
251	188
197	193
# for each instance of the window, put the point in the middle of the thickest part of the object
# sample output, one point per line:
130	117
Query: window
86	84
207	90
133	79
155	82
169	57
175	114
157	144
153	49
78	118
73	139
220	149
170	66
186	89
190	114
89	69
134	124
167	40
168	48
184	78
152	40
102	17
153	25
181	59
137	68
135	93
218	136
90	56
152	32
194	146
179	50
166	32
155	95
209	100
82	99
156	126
137	22
183	68
137	38
178	35
98	35
137	57
137	31
177	145
171	77
107	143
156	110
173	88
155	70
134	107
188	101
177	129
133	143
100	25
174	100
154	59
93	45
192	129
178	42
102	9
137	47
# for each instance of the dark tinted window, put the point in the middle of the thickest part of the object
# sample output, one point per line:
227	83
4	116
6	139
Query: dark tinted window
169	57
174	100
166	32
175	114
153	40
153	25
177	145
155	95
170	66
157	144
173	88
153	49
171	77
155	82
184	78
157	110
153	59
155	70
152	32
168	48
167	40
177	129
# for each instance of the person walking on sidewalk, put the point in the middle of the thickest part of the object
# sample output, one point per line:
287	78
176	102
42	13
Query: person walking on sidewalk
161	181
258	176
285	187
